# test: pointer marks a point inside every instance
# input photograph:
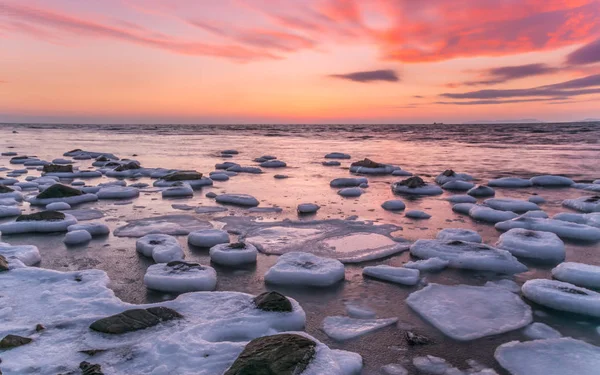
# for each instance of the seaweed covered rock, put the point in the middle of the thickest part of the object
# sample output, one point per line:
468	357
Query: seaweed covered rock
132	165
183	176
42	216
55	168
285	354
412	182
90	368
3	263
13	341
273	301
59	191
134	320
367	163
5	189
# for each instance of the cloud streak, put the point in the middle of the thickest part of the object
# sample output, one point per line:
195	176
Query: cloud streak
504	74
588	54
369	76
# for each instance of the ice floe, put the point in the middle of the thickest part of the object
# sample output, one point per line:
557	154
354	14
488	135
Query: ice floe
29	255
175	225
458	234
538	214
458	185
273	164
337	155
61	193
118	192
161	247
394	369
514	205
219	176
210	209
344	328
398	275
178	191
449	175
297	268
208	237
9	211
331	163
461	199
468	255
481	191
416	186
549	357
583	204
393	205
244	200
180	277
581	274
563	296
367	166
563	229
77	237
307	208
465	312
428	265
234	254
592	219
417	214
510	182
489	215
350	192
525	243
191	178
355	310
552	181
538	331
86	214
536	199
240	169
44	222
58	206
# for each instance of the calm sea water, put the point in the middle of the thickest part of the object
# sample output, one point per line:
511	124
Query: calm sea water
485	151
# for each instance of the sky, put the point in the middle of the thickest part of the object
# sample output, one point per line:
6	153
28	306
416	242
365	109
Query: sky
298	61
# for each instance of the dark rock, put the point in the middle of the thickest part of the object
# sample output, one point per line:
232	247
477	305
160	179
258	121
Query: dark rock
132	165
92	352
75	150
112	164
272	301
181	266
134	320
39	327
3	263
413	182
90	369
416	339
59	191
6	189
571	290
22	157
211	195
42	216
237	245
449	173
12	341
55	168
183	176
593	199
367	163
286	354
102	158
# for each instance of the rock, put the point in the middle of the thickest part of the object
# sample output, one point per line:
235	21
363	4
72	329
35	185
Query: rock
448	173
5	189
307	208
90	369
128	166
59	191
183	176
285	354
3	263
134	320
367	163
55	168
92	352
39	327
42	216
413	182
13	341
211	195
416	339
272	301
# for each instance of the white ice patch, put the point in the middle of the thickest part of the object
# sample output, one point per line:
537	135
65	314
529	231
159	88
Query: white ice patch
40	226
545	246
95	229
86	214
394	369
468	255
180	279
298	268
510	182
161	247
77	237
118	192
358	311
344	328
553	181
514	205
563	296
583	204
58	206
208	237
592	219
417	214
29	255
428	265
538	331
431	365
238	200
538	214
9	211
549	357
398	275
175	225
581	274
225	255
461	199
458	234
509	285
561	228
465	312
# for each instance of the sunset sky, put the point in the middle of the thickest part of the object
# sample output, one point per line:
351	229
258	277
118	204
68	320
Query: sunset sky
315	61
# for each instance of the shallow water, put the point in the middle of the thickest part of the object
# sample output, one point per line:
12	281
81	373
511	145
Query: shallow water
484	151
